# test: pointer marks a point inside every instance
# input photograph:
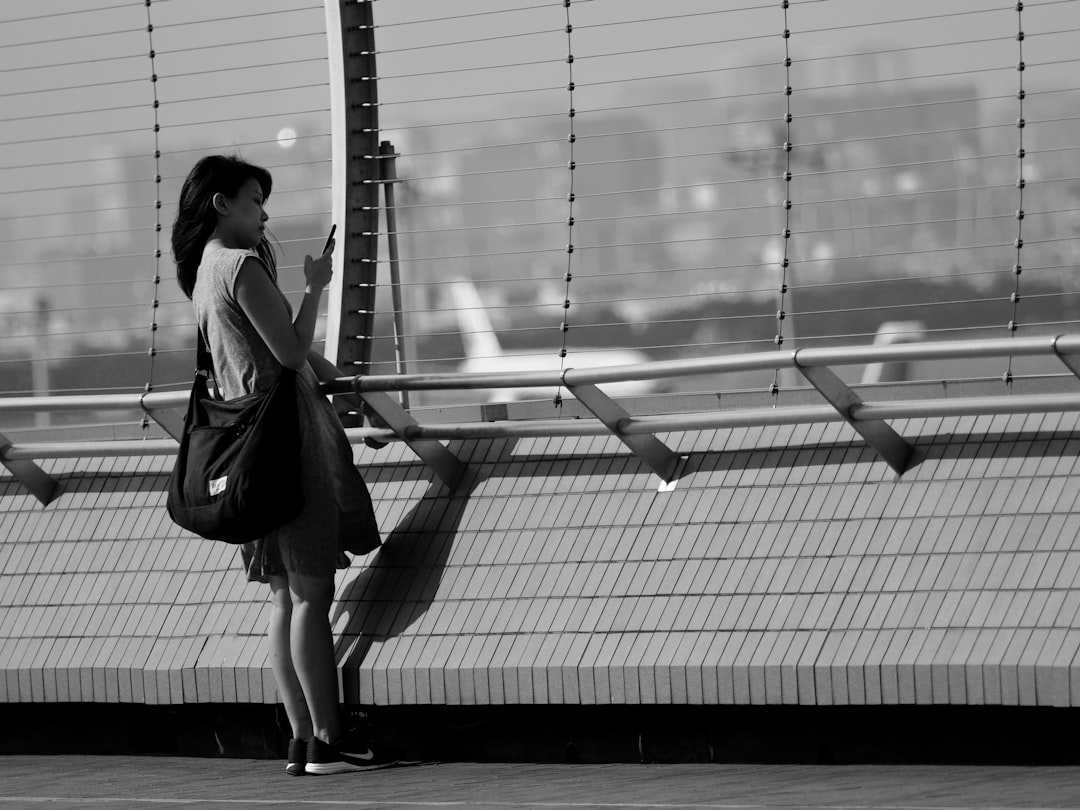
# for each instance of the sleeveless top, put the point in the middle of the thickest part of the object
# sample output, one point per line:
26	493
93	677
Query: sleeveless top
337	514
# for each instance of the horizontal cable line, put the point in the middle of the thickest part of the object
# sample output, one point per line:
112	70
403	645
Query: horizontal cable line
472	228
725	238
101	356
80	135
68	235
875	23
1010	215
408	127
150	228
924	47
139	305
684	16
93	85
227	146
149	155
70	186
261	41
914	105
113	431
707	126
170	102
770	288
767	312
480	147
677	187
87	284
887	307
244	94
714	183
109	330
894	195
794	34
71	259
949	74
698	213
934	277
66	14
952	74
80	161
488	94
692	296
76	212
79	62
477	41
802	145
121	32
687	15
562	249
479	68
203	21
582	85
578	2
289	165
652	105
260	66
279	114
925	252
734	67
1049	295
278	191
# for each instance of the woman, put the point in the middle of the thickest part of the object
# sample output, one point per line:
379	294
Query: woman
226	266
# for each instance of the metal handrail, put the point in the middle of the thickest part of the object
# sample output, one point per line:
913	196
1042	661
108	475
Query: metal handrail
637	432
1064	346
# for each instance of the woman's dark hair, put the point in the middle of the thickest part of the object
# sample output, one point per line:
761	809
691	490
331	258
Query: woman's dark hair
196	217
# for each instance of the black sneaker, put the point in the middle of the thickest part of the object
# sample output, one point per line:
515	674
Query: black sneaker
341	757
297	757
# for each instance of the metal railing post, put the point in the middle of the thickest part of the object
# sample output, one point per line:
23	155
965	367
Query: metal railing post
388	172
354	113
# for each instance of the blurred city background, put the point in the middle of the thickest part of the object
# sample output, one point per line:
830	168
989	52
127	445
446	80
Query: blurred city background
905	154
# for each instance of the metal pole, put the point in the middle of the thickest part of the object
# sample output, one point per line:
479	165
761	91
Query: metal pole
388	162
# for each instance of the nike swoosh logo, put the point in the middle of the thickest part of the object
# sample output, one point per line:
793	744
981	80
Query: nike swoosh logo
366	754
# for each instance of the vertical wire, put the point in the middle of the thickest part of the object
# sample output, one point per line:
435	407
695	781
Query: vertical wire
152	351
570	197
1020	184
785	261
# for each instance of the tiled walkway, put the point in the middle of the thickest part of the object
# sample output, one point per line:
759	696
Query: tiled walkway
145	782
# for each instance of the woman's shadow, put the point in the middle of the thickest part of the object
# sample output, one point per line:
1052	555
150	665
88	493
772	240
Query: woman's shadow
403	575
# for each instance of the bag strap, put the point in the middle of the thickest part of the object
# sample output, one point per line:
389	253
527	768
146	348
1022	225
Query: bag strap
204	363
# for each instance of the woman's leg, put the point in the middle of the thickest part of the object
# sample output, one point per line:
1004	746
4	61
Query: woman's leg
313	651
281	661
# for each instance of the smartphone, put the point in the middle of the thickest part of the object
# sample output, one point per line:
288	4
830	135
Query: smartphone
333	230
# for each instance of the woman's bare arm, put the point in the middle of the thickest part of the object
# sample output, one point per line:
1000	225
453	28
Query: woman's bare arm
288	340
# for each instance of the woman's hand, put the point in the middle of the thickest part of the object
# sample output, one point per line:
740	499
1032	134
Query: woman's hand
318	272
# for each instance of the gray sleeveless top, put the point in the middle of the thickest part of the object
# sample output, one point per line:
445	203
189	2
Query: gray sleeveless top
243	363
337	514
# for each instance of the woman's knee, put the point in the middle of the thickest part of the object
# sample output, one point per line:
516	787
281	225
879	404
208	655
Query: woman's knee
280	597
310	590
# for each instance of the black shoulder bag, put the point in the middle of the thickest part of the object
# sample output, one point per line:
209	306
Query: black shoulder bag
237	476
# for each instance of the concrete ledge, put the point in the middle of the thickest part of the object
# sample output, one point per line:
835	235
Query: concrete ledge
786	567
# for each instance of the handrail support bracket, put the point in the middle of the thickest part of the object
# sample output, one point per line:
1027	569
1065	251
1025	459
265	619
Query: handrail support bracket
41	485
892	447
433	453
658	456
